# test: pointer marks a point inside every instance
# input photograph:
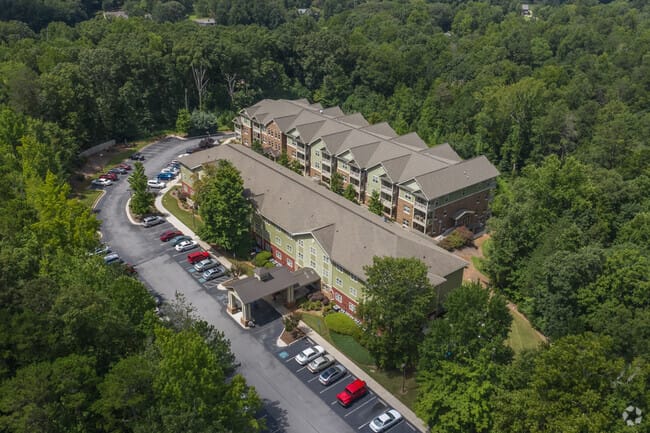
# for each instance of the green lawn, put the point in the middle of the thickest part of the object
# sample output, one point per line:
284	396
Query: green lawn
88	196
391	380
522	335
171	204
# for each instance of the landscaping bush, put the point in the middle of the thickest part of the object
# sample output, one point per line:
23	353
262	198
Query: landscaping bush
327	308
343	324
459	238
319	296
261	259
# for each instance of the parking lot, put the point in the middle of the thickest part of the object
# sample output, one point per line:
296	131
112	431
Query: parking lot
360	413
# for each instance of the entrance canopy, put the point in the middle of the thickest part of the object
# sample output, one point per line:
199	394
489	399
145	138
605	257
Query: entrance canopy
271	281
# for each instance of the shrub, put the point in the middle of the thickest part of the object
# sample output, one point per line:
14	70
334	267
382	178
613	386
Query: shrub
342	324
327	308
459	238
262	258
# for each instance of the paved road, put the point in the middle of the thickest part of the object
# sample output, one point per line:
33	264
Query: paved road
290	405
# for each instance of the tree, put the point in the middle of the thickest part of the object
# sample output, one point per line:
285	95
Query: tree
336	183
375	206
399	299
141	198
257	147
224	209
171	11
461	359
576	384
350	193
183	121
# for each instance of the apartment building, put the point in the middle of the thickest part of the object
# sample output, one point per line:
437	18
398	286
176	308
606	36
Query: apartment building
427	189
307	226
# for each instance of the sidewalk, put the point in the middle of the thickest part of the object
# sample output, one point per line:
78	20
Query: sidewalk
382	393
182	227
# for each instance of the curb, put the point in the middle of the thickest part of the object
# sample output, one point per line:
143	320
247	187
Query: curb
381	392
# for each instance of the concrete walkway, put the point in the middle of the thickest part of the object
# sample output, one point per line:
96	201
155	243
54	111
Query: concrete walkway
182	227
381	392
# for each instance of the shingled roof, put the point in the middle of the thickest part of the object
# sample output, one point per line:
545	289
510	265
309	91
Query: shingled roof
349	233
405	158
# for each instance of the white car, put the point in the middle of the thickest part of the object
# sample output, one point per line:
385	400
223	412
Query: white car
309	354
320	363
186	245
385	421
155	183
102	182
206	264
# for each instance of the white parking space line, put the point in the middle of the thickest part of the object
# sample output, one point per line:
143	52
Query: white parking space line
313	379
178	254
289	360
363	425
410	426
360	406
301	368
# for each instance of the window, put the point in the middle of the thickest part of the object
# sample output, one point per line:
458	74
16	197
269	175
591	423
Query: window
278	254
338	297
317	153
339	282
407	210
352	307
326	273
317	164
289	248
301	242
353	292
312	264
326	259
375	179
338	268
278	241
353	278
300	256
312	250
405	223
290	263
408	196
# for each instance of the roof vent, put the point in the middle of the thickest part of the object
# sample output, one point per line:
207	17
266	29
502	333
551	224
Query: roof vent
262	274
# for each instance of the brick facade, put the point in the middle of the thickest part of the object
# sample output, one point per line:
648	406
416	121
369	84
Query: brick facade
344	302
443	216
402	216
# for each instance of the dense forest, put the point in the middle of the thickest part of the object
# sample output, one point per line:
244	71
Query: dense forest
559	102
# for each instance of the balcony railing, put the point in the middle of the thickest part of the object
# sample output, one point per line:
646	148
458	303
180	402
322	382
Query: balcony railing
421	205
418	218
300	156
355	173
326	168
387	203
387	190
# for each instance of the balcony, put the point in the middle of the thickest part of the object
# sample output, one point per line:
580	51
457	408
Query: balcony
325	156
419	218
355	174
387	189
300	156
423	206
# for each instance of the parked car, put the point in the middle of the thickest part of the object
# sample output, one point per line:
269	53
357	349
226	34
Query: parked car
102	182
309	354
125	166
354	391
118	170
332	374
151	221
186	245
112	258
178	239
137	157
101	250
172	170
385	421
165	176
320	363
155	183
170	234
206	264
213	273
111	176
197	256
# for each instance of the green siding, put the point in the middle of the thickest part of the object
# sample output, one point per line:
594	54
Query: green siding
372	186
315	154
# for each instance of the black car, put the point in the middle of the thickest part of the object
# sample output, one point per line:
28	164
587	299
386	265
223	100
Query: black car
137	157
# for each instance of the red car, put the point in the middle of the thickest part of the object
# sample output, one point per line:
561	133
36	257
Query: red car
197	256
125	166
170	234
352	392
111	176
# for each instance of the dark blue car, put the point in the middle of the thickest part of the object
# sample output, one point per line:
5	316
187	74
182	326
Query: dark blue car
165	176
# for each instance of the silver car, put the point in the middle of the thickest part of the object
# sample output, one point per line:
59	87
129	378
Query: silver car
206	264
332	374
309	354
213	273
385	421
320	363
